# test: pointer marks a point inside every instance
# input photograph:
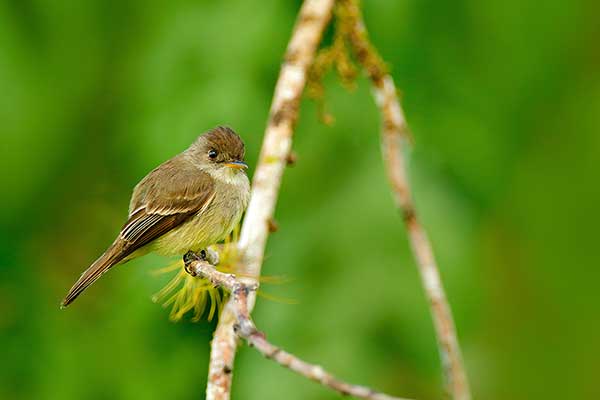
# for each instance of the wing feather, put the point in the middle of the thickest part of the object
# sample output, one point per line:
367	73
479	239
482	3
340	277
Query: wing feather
163	200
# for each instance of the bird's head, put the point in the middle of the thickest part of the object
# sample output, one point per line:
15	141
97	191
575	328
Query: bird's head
220	149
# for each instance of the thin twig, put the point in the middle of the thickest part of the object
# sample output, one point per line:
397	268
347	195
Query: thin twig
246	329
312	20
394	132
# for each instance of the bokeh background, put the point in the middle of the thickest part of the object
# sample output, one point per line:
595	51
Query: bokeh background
503	99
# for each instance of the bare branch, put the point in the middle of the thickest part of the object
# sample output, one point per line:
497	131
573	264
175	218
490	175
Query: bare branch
275	153
245	328
394	131
312	20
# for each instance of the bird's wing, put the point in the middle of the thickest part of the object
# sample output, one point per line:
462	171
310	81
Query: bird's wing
163	200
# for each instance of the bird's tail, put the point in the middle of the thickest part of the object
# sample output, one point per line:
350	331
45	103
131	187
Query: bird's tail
111	257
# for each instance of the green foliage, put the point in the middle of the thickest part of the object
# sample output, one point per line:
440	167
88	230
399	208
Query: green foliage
502	98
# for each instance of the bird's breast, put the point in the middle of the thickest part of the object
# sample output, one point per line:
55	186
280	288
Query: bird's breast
210	225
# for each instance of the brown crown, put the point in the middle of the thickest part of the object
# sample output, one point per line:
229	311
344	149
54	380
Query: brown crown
225	140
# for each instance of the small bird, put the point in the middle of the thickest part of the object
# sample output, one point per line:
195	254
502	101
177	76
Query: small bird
188	203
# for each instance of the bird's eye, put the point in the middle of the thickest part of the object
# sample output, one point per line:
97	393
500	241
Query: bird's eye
213	154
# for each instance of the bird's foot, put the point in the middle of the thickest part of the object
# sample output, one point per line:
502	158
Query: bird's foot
210	256
190	257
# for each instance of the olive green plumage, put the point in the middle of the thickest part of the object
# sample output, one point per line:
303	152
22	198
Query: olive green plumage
189	202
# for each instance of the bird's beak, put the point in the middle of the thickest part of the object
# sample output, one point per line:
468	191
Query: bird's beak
237	165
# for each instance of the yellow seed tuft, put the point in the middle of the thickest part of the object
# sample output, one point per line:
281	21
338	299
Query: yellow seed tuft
197	296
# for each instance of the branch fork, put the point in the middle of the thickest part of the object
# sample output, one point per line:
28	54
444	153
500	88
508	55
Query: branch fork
245	328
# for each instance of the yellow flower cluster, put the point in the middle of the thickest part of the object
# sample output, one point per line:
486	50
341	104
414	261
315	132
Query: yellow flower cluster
185	293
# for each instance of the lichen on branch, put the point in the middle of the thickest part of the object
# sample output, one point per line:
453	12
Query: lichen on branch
349	52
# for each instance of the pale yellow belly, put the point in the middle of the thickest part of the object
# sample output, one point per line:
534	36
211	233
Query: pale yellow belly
195	234
205	228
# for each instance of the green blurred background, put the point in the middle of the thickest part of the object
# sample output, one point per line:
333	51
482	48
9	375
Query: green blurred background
503	99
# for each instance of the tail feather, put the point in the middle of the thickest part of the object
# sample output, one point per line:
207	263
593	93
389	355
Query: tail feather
106	261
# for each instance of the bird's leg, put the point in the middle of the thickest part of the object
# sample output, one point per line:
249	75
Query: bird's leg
190	257
208	255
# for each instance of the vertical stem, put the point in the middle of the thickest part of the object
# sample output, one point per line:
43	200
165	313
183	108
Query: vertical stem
394	131
312	20
394	126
